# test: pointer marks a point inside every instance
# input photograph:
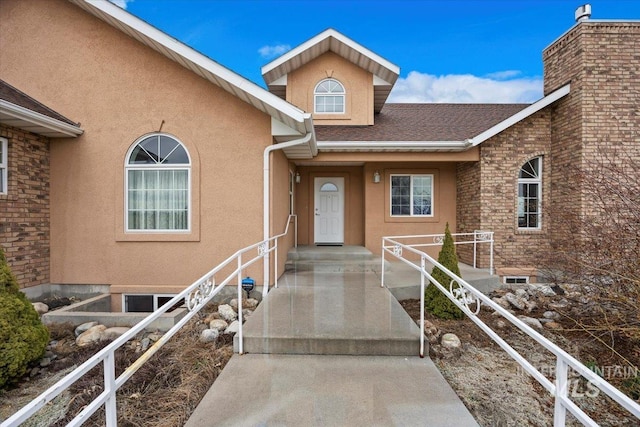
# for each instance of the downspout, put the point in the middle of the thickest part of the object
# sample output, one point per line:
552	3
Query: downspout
266	216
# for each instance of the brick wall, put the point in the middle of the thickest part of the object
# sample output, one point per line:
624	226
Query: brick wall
501	159
24	210
598	122
468	184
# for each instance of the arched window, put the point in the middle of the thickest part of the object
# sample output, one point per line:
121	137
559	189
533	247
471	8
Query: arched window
158	186
530	194
329	97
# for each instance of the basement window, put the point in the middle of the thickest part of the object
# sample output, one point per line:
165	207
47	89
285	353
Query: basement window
137	303
516	280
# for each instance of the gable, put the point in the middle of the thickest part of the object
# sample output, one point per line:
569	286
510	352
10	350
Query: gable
385	73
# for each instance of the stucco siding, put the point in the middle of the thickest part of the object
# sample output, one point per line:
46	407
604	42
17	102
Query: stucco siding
120	90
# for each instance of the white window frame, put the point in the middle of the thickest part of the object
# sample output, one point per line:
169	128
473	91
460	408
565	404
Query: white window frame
341	94
4	166
411	214
133	167
154	296
514	280
528	181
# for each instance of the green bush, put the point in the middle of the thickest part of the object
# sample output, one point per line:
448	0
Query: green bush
23	337
435	301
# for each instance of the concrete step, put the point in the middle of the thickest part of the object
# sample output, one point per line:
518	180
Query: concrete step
322	313
351	346
330	253
336	266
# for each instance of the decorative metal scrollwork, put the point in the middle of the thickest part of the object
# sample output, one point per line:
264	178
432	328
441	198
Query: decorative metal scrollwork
397	250
483	236
464	296
262	249
438	239
197	296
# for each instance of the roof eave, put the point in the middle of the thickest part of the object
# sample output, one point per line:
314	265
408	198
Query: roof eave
280	66
195	61
521	115
35	122
392	146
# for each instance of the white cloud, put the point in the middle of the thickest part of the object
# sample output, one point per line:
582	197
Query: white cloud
269	52
466	88
121	3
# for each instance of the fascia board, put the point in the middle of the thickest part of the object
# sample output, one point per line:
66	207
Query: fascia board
393	145
521	115
39	119
319	38
191	55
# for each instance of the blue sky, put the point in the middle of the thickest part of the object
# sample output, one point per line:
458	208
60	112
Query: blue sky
447	51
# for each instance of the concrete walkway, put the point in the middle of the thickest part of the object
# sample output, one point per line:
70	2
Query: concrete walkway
345	317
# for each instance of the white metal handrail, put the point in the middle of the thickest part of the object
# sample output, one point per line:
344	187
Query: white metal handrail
466	295
196	296
475	238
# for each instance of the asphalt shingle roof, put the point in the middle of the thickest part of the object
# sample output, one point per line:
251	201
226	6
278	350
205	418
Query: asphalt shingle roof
423	122
17	97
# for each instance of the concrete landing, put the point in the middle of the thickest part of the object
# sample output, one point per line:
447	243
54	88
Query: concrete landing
315	312
296	390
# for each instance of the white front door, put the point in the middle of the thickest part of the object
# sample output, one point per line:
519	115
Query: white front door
329	211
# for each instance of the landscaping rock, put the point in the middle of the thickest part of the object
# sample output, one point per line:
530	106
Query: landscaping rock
246	313
251	303
531	305
530	321
450	341
541	289
90	336
559	305
431	331
210	317
227	313
553	325
154	337
111	334
233	328
523	294
144	344
218	324
551	315
501	302
44	362
40	307
209	335
500	324
84	327
516	302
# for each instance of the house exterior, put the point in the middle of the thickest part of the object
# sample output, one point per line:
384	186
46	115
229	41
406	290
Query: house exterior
172	162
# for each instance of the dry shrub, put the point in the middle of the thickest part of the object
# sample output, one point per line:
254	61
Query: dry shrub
165	390
600	248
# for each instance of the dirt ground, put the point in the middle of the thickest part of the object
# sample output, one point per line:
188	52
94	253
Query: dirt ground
496	389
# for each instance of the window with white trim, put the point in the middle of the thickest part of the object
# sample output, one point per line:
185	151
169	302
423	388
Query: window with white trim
158	184
4	157
329	97
516	280
138	303
530	194
412	195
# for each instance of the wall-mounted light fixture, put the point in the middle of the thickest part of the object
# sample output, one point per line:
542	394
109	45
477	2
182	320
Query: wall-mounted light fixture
297	177
376	177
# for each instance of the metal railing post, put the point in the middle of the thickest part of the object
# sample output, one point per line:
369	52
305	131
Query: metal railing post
240	343
275	268
475	239
382	266
110	409
559	411
422	270
491	271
